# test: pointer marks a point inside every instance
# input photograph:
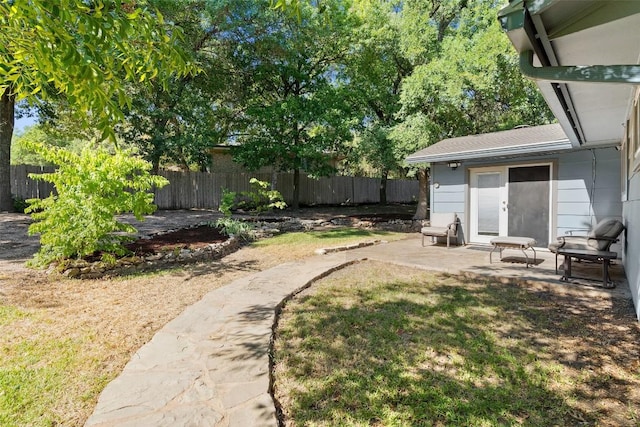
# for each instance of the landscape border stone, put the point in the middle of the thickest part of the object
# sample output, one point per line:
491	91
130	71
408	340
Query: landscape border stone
83	269
264	227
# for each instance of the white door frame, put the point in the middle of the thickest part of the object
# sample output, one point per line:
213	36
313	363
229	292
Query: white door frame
503	170
474	237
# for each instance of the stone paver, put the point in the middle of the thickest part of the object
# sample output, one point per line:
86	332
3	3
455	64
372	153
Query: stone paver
210	365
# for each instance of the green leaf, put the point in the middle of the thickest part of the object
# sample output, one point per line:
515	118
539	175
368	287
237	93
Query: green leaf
134	15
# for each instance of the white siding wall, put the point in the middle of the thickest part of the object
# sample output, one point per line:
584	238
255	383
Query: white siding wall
631	259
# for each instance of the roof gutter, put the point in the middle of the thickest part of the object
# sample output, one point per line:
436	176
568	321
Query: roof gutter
624	74
526	149
521	19
529	34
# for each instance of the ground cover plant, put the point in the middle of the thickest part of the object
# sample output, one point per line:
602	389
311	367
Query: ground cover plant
380	345
63	340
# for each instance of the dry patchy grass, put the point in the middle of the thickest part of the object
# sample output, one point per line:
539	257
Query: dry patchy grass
375	344
65	339
62	340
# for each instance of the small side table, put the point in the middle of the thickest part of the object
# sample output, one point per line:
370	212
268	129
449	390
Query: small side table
514	242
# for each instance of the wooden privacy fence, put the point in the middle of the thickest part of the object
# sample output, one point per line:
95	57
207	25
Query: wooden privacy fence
24	187
203	190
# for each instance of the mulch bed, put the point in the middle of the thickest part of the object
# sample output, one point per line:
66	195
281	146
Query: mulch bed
186	238
204	235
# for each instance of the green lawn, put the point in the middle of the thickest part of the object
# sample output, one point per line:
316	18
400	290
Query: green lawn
303	244
380	345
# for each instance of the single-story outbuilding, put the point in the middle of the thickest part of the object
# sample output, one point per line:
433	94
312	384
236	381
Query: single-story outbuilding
584	57
528	181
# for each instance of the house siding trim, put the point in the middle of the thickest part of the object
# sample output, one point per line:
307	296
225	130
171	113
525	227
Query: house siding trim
517	150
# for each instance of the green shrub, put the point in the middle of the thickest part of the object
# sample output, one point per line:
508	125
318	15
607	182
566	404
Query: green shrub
92	188
227	202
258	200
234	227
265	199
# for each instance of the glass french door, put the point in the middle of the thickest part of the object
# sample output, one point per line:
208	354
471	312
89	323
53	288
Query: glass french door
510	201
488	204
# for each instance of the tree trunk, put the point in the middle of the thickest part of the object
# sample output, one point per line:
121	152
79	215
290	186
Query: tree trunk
155	165
7	121
274	179
423	195
383	187
296	189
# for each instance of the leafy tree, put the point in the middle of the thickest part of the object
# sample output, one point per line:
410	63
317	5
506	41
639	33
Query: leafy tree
296	109
58	121
55	136
83	50
91	189
20	153
180	122
465	79
468	81
375	70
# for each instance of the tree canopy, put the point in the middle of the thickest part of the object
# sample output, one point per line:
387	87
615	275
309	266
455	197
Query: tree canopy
84	51
370	81
296	111
465	77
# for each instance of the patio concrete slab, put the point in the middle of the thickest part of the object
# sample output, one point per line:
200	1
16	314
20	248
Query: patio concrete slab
474	260
210	365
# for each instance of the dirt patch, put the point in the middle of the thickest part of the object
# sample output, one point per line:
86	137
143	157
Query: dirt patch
17	247
382	217
15	242
329	212
204	235
186	238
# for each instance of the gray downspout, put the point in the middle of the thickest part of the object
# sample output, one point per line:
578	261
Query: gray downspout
622	74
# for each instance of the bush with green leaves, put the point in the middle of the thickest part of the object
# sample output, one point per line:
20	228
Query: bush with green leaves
91	189
234	227
227	202
259	199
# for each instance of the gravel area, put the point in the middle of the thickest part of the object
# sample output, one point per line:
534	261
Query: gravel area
16	246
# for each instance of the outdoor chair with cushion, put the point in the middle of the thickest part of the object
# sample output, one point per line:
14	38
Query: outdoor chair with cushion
599	239
441	225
